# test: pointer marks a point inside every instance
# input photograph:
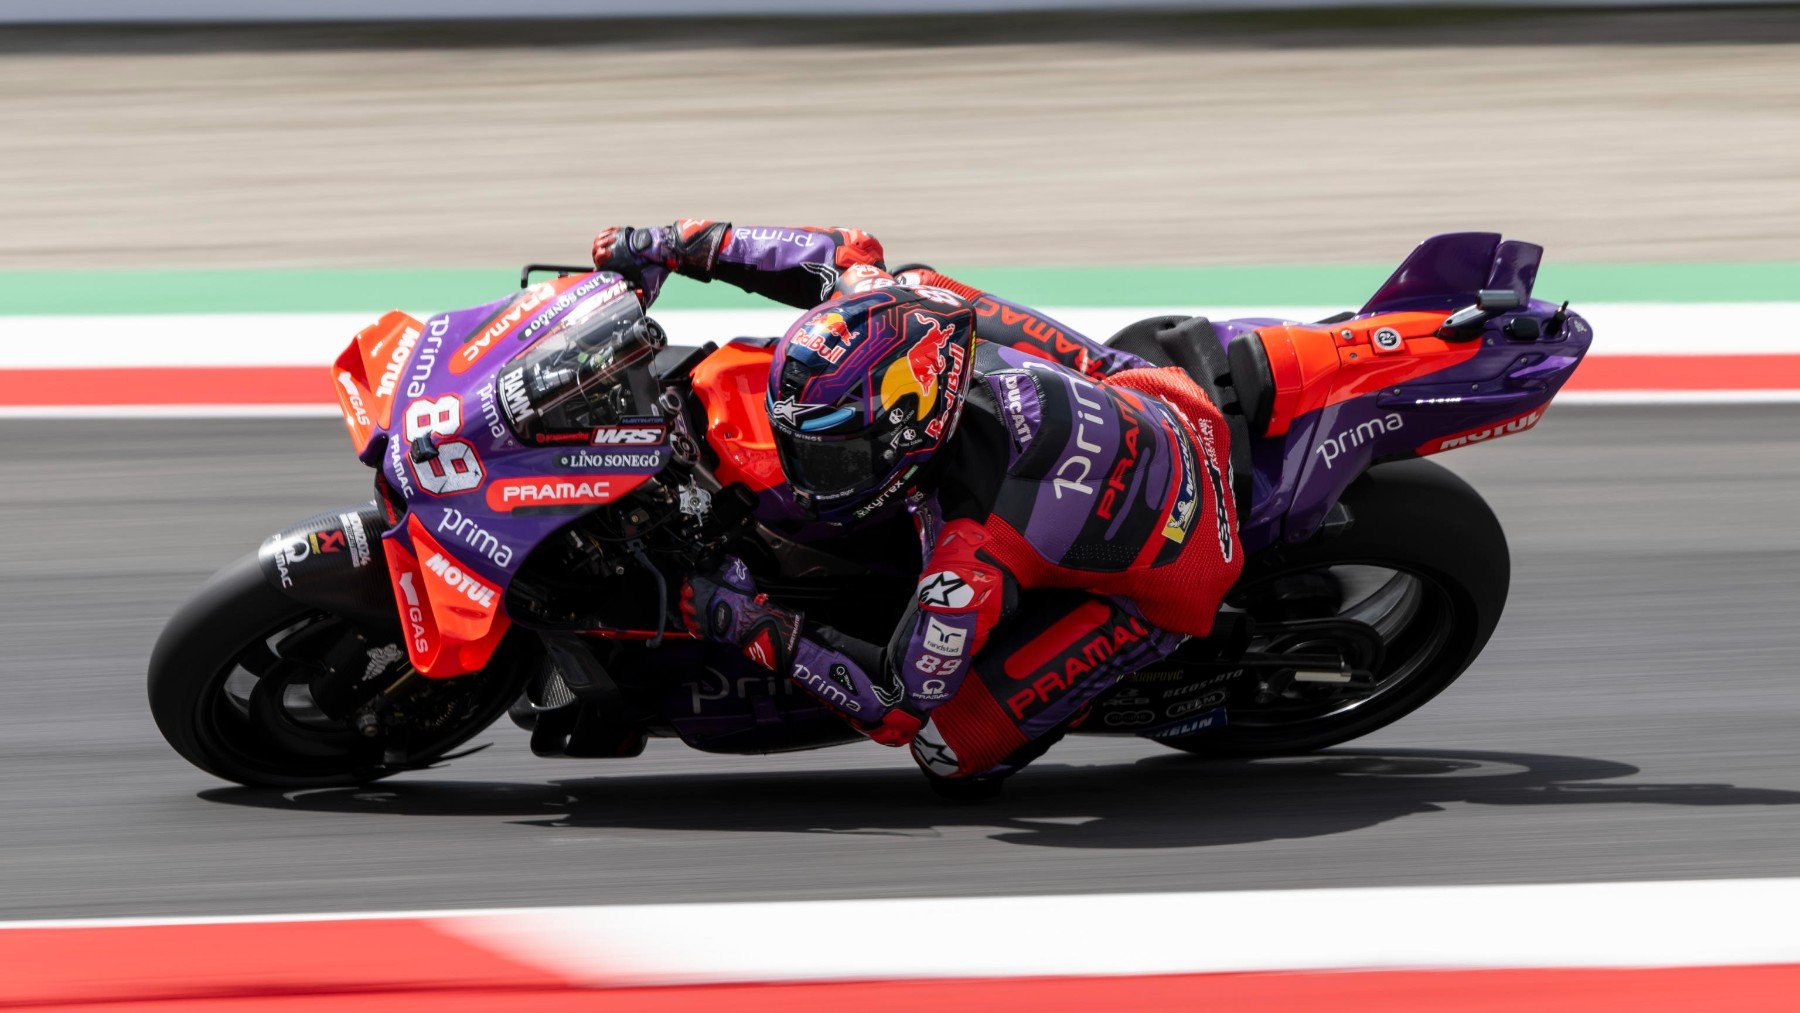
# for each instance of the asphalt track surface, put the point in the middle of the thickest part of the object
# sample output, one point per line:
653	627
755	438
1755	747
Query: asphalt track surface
1634	718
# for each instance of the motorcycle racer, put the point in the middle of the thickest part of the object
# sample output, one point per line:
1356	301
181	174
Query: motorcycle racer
1073	500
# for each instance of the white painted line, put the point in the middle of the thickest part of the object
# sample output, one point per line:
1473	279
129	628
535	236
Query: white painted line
175	411
1594	925
315	339
1683	397
1579	925
1616	398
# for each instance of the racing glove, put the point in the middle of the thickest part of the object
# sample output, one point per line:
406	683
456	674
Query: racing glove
627	251
690	247
724	606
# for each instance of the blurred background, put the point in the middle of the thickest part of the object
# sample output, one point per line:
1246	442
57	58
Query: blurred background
1060	137
189	186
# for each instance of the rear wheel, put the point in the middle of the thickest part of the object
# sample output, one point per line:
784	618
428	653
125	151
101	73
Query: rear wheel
254	687
1407	596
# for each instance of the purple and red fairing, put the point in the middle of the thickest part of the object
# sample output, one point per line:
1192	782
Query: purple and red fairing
1388	387
468	499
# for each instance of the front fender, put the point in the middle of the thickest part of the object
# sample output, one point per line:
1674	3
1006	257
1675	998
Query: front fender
335	561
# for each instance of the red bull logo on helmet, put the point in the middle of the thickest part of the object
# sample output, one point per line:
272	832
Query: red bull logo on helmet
918	373
826	335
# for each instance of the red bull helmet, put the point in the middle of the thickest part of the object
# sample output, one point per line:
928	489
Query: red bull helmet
862	393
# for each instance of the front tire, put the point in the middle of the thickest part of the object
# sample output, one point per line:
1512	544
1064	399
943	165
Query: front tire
1433	563
254	687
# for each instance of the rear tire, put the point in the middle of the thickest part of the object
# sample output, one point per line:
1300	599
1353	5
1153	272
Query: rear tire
270	728
1418	520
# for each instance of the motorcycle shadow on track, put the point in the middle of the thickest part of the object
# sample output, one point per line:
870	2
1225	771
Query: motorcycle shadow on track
1158	802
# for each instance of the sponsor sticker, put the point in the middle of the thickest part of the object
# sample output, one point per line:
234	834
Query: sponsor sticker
1516	424
1186	707
1211	720
569	298
584	459
1128	719
278	553
943	638
1078	457
809	417
510	494
435	330
390	371
397	468
490	412
358	538
1187	494
631	433
476	537
826	335
930	749
1333	447
1071	666
512	394
503	324
359	412
380	659
419	633
467	584
1021	422
944	589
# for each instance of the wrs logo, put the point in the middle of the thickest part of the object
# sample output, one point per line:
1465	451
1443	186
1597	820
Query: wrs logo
629	435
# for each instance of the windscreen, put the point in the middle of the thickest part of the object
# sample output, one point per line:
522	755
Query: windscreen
592	370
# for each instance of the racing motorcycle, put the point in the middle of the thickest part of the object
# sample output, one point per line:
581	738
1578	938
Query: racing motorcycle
548	470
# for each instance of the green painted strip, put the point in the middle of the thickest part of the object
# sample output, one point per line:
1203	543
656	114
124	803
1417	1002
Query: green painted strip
376	289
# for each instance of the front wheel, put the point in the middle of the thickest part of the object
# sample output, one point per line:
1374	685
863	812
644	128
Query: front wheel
1407	595
254	687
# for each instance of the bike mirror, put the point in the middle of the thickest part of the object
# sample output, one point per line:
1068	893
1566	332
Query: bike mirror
1498	300
528	270
1459	321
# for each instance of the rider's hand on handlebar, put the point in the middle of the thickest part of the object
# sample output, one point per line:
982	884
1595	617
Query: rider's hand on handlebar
626	250
731	581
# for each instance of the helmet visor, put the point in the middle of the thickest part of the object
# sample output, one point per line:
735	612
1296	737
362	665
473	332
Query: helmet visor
830	469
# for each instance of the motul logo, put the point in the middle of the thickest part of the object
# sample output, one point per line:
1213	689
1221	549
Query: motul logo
470	585
1493	432
390	374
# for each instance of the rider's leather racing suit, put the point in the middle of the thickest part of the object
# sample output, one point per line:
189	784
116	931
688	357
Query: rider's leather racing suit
1081	525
